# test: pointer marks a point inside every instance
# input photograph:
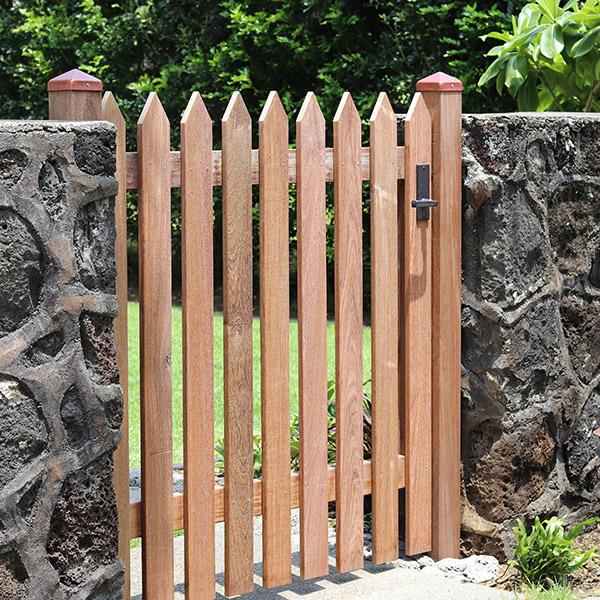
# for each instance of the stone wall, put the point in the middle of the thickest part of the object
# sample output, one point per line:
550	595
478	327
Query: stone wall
530	322
60	405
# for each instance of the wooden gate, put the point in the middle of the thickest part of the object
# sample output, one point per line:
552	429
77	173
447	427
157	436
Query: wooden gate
415	216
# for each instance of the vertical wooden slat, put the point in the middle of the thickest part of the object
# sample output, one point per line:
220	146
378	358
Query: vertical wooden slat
111	112
198	387
443	99
155	350
274	342
384	307
237	334
416	289
348	335
312	339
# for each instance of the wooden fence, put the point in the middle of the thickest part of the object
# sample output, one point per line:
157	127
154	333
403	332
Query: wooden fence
415	287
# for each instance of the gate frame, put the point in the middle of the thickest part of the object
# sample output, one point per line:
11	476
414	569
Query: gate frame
78	96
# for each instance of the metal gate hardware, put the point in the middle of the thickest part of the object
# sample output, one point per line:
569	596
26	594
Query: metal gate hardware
423	203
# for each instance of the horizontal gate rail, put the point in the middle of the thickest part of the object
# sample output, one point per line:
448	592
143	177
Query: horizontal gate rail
135	530
217	177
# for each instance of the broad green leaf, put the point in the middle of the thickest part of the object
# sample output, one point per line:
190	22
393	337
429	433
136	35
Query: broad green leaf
496	35
516	72
528	97
597	70
500	81
551	41
547	7
495	51
586	43
528	17
492	71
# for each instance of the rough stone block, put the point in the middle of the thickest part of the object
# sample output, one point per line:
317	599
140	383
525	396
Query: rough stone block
530	323
60	403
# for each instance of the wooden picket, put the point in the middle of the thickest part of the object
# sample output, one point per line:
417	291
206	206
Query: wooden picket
197	317
416	322
275	342
237	337
312	340
415	327
384	324
155	351
348	336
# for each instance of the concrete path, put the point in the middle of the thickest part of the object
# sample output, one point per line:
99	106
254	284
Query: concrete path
382	582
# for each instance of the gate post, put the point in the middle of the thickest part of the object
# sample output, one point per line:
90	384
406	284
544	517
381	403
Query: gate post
77	96
443	96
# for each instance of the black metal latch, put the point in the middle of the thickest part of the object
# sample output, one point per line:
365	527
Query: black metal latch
423	203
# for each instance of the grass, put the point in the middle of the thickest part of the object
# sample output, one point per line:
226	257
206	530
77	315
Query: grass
558	591
134	376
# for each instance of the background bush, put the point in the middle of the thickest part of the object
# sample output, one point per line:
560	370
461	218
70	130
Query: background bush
216	47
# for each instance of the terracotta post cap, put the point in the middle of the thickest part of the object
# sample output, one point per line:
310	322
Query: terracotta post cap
439	82
75	80
597	432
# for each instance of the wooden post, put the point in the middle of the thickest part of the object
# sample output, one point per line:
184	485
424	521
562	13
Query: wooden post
443	97
77	96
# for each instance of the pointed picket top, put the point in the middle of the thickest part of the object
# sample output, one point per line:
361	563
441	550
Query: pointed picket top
111	111
383	109
417	105
346	111
153	109
75	80
439	82
273	111
196	110
236	112
310	111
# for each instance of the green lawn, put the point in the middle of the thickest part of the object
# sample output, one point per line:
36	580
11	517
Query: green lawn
134	376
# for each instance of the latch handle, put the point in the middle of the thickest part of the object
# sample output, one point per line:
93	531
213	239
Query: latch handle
423	203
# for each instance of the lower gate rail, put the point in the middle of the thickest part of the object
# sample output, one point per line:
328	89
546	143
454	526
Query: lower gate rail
415	213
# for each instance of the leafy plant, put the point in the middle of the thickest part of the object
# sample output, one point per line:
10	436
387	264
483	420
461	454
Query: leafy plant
546	554
331	444
551	59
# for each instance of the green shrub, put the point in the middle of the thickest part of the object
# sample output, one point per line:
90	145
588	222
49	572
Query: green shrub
551	59
546	554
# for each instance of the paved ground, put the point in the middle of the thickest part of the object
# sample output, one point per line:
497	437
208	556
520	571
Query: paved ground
382	582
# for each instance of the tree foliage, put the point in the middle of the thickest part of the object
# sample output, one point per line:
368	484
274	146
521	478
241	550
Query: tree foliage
218	46
551	58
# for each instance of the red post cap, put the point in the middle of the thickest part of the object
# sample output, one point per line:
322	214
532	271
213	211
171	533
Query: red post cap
75	80
439	82
597	432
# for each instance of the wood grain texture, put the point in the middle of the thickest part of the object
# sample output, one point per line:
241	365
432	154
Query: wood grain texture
175	167
348	335
275	342
155	351
75	105
384	322
445	107
219	495
416	290
197	317
312	339
111	112
237	336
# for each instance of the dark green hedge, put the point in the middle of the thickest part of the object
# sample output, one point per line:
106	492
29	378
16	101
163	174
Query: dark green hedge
216	47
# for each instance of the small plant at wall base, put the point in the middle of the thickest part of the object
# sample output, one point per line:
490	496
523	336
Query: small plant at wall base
546	555
551	59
